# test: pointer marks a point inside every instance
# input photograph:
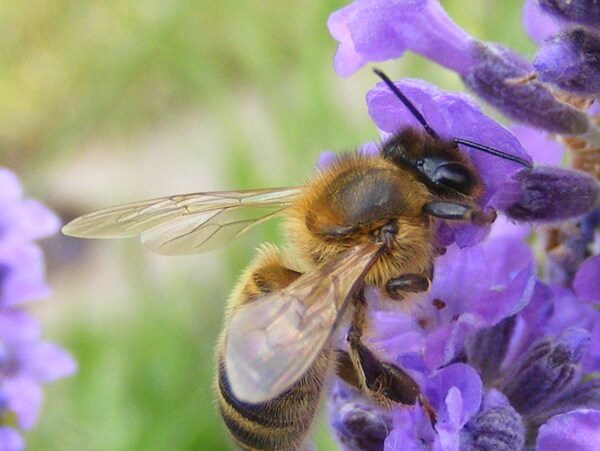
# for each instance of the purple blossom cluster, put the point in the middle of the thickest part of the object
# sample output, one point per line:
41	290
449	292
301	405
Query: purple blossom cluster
506	344
26	362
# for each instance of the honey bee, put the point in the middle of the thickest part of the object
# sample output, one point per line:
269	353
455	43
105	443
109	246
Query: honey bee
362	220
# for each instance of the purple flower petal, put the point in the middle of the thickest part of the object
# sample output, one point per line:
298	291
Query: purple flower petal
22	220
325	159
412	431
10	440
538	145
25	362
444	343
34	221
587	280
17	327
24	397
503	257
501	302
377	30
11	188
46	362
466	380
448	437
23	280
577	430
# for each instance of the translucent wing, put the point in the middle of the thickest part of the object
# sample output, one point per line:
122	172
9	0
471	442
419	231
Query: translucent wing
185	224
271	342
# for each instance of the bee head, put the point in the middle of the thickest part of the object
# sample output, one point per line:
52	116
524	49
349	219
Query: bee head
437	164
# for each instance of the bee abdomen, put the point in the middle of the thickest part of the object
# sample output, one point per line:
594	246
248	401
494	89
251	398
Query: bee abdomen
279	424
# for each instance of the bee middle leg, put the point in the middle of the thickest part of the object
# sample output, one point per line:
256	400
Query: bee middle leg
361	368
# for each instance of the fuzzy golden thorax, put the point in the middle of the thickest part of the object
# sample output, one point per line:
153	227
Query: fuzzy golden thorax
349	201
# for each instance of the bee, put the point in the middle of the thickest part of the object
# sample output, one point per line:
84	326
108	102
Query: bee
363	220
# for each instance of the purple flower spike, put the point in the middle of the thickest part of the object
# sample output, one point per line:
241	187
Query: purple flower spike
378	30
578	430
571	61
585	12
550	194
26	362
547	368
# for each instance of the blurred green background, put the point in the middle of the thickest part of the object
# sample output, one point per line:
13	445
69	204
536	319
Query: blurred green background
106	101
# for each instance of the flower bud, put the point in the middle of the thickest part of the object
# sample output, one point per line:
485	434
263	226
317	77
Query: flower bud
571	61
550	194
585	12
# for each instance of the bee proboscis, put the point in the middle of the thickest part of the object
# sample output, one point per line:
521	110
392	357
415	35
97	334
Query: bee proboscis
361	220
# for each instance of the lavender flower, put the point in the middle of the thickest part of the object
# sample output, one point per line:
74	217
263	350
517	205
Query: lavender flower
499	358
372	30
376	30
571	61
504	351
568	35
585	12
26	361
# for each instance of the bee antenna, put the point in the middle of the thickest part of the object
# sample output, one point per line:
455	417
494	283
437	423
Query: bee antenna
431	132
416	113
493	151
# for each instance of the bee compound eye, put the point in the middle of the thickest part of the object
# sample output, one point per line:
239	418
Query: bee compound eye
454	176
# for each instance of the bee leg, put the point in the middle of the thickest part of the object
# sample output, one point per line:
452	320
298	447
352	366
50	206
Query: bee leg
383	379
455	212
346	370
398	287
404	389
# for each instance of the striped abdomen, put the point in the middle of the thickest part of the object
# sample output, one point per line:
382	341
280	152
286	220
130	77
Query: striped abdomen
280	424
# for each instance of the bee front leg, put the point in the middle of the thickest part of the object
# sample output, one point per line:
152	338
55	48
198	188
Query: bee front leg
455	212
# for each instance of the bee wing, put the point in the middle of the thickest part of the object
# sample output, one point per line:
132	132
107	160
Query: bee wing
185	224
271	343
